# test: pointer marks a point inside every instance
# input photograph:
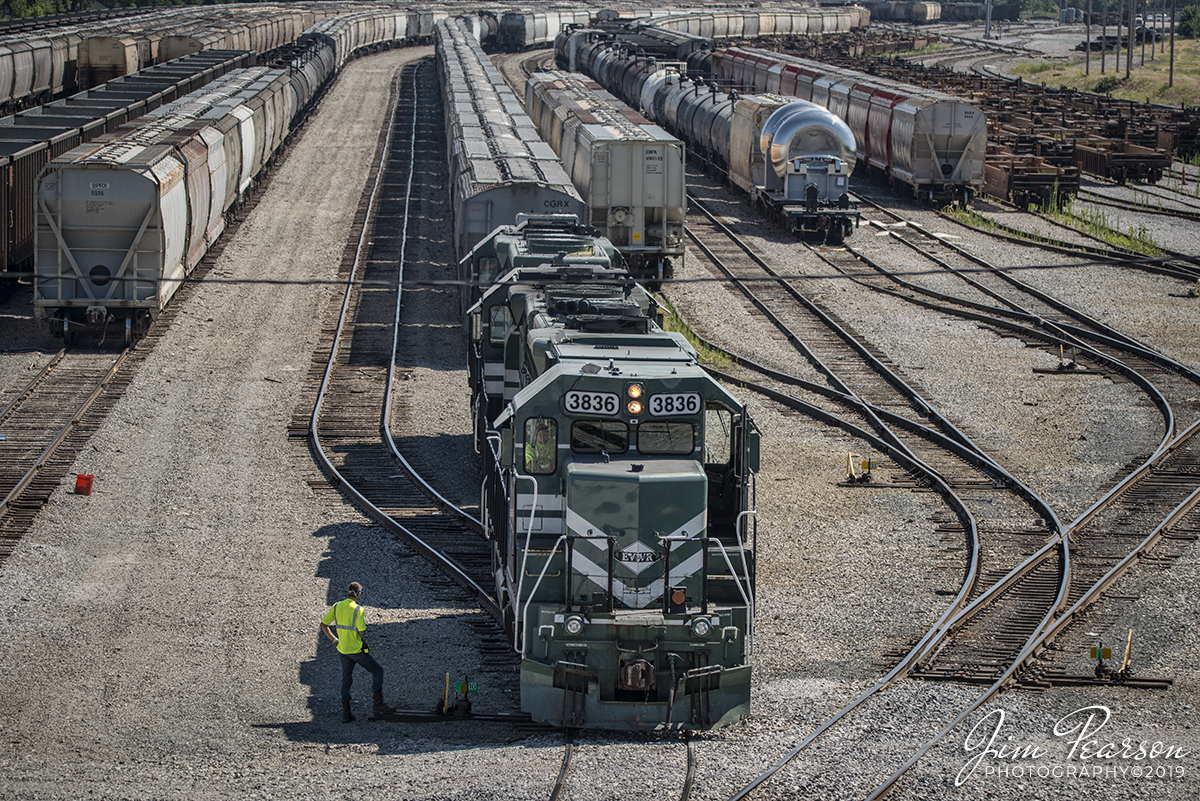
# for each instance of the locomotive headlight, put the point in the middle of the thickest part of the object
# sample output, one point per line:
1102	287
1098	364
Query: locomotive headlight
701	626
573	625
634	392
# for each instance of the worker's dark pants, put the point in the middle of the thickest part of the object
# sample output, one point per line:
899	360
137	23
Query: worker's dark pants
368	662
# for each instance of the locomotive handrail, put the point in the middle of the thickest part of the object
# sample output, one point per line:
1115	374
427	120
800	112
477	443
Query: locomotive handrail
525	555
521	620
742	543
747	598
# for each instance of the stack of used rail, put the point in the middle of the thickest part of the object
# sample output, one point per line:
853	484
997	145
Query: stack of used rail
1115	139
855	44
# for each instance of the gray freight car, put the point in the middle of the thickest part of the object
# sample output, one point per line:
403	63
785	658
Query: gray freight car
500	169
629	171
29	139
520	30
123	220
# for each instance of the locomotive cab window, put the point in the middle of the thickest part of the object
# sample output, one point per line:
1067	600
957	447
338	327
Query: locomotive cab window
718	435
720	469
486	269
599	436
663	437
499	323
541	445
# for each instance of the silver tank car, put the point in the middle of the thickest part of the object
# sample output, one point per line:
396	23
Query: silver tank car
810	151
499	166
629	171
922	142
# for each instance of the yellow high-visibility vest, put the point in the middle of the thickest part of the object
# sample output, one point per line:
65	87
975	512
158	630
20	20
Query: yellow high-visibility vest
346	618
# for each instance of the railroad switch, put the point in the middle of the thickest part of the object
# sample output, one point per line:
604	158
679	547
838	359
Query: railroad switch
1105	672
852	474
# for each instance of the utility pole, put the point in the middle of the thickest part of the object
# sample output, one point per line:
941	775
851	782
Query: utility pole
1129	50
1171	72
1103	37
1142	5
987	27
1087	24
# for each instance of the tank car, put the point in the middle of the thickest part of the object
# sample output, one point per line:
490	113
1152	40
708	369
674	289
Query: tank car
499	166
618	497
629	171
121	221
798	172
921	142
923	13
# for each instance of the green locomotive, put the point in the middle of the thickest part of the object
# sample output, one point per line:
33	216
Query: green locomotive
618	493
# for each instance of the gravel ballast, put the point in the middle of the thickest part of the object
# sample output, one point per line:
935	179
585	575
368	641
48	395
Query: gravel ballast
161	633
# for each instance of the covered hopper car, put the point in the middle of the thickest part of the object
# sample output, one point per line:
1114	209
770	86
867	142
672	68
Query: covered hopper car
122	220
499	167
629	171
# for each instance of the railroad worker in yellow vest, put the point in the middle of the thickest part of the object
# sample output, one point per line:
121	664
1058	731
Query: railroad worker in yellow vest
346	618
540	451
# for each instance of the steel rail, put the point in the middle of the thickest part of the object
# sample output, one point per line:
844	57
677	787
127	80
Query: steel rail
690	775
1136	208
561	781
45	371
447	566
447	506
40	462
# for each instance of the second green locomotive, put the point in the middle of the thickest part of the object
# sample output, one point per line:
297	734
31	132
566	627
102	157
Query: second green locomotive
618	491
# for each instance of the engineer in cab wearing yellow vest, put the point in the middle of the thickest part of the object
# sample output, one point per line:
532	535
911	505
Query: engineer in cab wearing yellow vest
346	618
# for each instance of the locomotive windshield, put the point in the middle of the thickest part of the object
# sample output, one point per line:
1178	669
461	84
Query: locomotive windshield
599	436
666	437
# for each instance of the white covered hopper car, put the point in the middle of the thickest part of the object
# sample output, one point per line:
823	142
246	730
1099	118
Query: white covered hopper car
629	171
499	167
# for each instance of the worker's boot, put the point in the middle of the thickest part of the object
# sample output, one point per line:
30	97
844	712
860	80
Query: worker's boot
380	708
347	715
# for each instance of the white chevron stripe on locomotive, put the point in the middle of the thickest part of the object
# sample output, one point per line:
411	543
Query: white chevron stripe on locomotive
631	596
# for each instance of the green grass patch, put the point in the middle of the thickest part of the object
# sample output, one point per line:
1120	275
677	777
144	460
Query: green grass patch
1146	82
1032	67
708	355
1097	223
927	50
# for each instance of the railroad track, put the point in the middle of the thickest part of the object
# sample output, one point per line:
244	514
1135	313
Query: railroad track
348	405
45	426
992	639
1017	522
992	290
1003	609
